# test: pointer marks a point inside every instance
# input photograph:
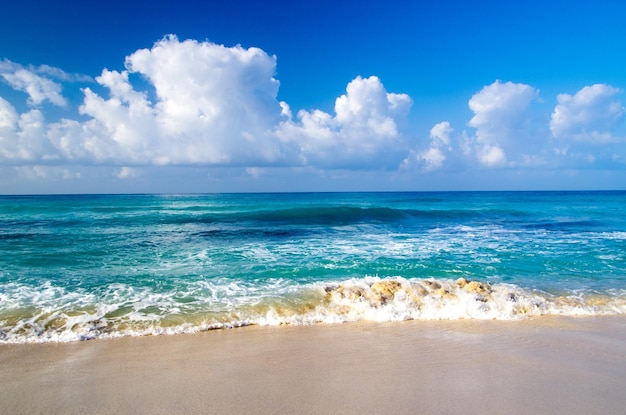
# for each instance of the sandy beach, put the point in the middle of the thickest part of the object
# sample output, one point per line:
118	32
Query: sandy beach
541	366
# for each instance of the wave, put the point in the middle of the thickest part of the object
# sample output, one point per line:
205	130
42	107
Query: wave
341	215
121	310
324	215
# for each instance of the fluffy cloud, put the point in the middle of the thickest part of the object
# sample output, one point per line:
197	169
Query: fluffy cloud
8	125
500	118
211	105
434	156
22	136
189	103
8	117
366	130
590	115
38	88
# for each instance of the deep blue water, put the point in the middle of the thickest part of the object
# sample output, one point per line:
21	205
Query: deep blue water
88	266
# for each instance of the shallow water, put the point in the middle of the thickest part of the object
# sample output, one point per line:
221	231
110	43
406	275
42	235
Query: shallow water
89	266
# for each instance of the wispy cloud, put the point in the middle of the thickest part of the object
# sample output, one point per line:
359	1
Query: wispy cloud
60	74
38	88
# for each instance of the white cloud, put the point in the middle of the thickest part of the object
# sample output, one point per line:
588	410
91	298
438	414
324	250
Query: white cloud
8	117
491	156
32	135
434	156
500	118
440	134
213	106
210	105
22	136
8	126
122	128
126	173
589	115
200	104
39	89
60	74
365	132
53	173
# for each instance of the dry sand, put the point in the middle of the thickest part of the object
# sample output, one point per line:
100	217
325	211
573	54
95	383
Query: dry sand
543	366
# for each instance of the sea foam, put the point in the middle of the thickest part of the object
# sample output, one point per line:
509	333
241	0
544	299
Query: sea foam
94	266
125	311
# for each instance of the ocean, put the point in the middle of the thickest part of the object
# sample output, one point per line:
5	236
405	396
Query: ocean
79	267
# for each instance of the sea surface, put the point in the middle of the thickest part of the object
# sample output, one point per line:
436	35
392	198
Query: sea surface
95	266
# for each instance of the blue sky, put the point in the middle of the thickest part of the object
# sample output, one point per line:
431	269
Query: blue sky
213	96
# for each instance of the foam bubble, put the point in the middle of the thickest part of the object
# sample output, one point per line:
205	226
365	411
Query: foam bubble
48	313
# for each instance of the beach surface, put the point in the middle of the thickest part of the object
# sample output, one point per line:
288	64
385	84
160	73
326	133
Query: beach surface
540	366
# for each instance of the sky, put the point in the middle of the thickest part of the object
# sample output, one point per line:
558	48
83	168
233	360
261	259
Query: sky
272	96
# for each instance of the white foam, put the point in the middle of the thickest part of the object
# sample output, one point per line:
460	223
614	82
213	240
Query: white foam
48	313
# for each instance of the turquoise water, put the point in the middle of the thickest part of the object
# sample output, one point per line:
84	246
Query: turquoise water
90	266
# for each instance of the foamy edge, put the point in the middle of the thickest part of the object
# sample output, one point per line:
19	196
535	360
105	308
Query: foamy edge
366	299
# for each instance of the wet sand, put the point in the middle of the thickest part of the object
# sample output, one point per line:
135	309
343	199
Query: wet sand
542	366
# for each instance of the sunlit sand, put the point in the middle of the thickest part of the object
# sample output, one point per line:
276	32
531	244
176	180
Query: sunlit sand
542	366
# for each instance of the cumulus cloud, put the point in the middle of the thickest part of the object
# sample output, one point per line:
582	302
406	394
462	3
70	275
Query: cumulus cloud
206	105
8	117
366	130
434	156
590	115
22	136
440	134
500	118
38	88
190	103
8	125
213	105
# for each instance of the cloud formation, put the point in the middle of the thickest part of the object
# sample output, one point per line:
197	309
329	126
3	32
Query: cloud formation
590	115
38	88
190	103
500	117
22	136
434	156
212	105
366	130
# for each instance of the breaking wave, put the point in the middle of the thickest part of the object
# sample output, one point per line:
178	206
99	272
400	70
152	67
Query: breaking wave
50	314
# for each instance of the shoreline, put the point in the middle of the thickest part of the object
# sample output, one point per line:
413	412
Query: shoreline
573	365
